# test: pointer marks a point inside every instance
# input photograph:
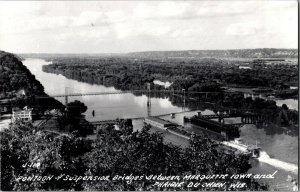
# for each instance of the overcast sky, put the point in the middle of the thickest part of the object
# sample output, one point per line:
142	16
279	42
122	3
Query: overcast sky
125	26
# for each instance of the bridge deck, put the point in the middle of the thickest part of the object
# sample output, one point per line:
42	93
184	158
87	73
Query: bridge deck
129	91
215	116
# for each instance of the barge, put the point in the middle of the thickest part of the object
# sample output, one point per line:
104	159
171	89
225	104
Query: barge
159	123
235	145
226	130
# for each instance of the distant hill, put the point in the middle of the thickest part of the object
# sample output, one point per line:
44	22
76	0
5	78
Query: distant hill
234	53
15	77
61	55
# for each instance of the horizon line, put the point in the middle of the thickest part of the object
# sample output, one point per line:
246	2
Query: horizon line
150	51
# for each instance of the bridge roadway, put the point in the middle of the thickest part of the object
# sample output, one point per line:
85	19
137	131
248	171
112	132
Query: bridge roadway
95	123
252	118
129	91
215	116
180	112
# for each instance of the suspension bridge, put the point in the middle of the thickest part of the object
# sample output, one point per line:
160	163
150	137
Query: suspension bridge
183	94
66	94
180	93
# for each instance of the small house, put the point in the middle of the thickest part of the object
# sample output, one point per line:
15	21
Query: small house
24	115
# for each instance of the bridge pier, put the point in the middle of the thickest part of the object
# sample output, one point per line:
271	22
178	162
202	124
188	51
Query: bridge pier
221	120
149	99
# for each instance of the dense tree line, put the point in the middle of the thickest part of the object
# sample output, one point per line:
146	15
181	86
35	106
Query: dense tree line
122	151
125	73
15	76
230	53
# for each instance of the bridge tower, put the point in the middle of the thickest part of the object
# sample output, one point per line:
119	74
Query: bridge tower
148	99
66	96
183	109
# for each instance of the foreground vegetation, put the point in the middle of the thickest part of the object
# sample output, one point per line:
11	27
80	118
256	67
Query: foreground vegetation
114	152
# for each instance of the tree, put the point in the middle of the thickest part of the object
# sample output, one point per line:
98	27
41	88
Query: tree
74	121
51	154
76	108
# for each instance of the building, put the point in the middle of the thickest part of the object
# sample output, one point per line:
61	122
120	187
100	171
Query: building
24	115
159	123
4	106
21	93
244	67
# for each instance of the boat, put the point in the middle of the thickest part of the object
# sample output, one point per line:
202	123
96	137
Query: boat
247	149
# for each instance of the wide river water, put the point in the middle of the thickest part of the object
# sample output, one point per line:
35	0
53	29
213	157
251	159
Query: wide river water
279	147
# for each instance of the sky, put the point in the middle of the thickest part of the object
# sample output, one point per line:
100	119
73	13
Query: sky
129	26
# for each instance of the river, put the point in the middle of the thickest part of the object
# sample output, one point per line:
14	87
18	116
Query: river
280	149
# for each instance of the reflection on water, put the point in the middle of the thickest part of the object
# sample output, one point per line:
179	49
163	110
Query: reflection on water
165	103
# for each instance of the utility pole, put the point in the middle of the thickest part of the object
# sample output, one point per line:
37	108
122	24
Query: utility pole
149	99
